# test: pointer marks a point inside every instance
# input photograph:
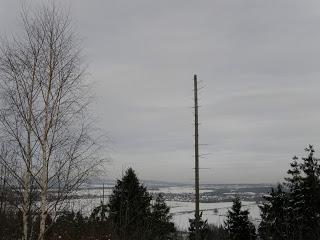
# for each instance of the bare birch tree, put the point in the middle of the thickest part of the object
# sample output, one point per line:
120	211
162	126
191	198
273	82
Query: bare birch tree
44	114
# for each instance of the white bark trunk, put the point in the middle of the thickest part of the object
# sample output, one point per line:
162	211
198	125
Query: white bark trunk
45	155
25	205
44	193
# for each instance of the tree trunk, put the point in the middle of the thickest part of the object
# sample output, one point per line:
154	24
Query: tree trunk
25	205
44	193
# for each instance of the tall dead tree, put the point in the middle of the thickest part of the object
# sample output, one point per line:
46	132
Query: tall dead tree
196	156
44	113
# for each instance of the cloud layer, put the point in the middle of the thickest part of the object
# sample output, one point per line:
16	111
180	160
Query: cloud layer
259	66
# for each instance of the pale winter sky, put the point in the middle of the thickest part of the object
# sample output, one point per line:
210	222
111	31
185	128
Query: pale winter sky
259	62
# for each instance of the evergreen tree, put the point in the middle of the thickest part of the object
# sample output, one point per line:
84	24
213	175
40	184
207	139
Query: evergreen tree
100	213
305	191
68	225
129	208
203	228
275	220
295	215
99	224
237	224
162	226
296	202
217	233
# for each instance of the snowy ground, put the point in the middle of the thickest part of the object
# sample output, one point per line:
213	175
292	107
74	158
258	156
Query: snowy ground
215	213
178	190
181	212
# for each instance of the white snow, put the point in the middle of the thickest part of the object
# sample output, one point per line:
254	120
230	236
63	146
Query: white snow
178	190
215	213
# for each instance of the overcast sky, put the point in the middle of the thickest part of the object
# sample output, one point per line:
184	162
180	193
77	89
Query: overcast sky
259	66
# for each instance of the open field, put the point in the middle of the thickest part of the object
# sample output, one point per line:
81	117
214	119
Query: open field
180	200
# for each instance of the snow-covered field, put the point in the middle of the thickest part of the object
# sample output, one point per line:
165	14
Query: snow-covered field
215	213
178	190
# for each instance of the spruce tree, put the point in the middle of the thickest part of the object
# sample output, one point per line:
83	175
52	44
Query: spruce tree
129	208
308	196
238	224
203	228
162	226
275	219
100	213
296	202
295	215
217	233
99	224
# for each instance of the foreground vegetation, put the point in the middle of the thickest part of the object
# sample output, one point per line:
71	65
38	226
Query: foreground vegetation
130	214
289	212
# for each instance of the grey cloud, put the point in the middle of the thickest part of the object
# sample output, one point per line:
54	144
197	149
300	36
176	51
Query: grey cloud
259	62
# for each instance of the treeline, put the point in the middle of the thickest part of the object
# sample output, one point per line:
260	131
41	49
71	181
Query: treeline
292	210
130	214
